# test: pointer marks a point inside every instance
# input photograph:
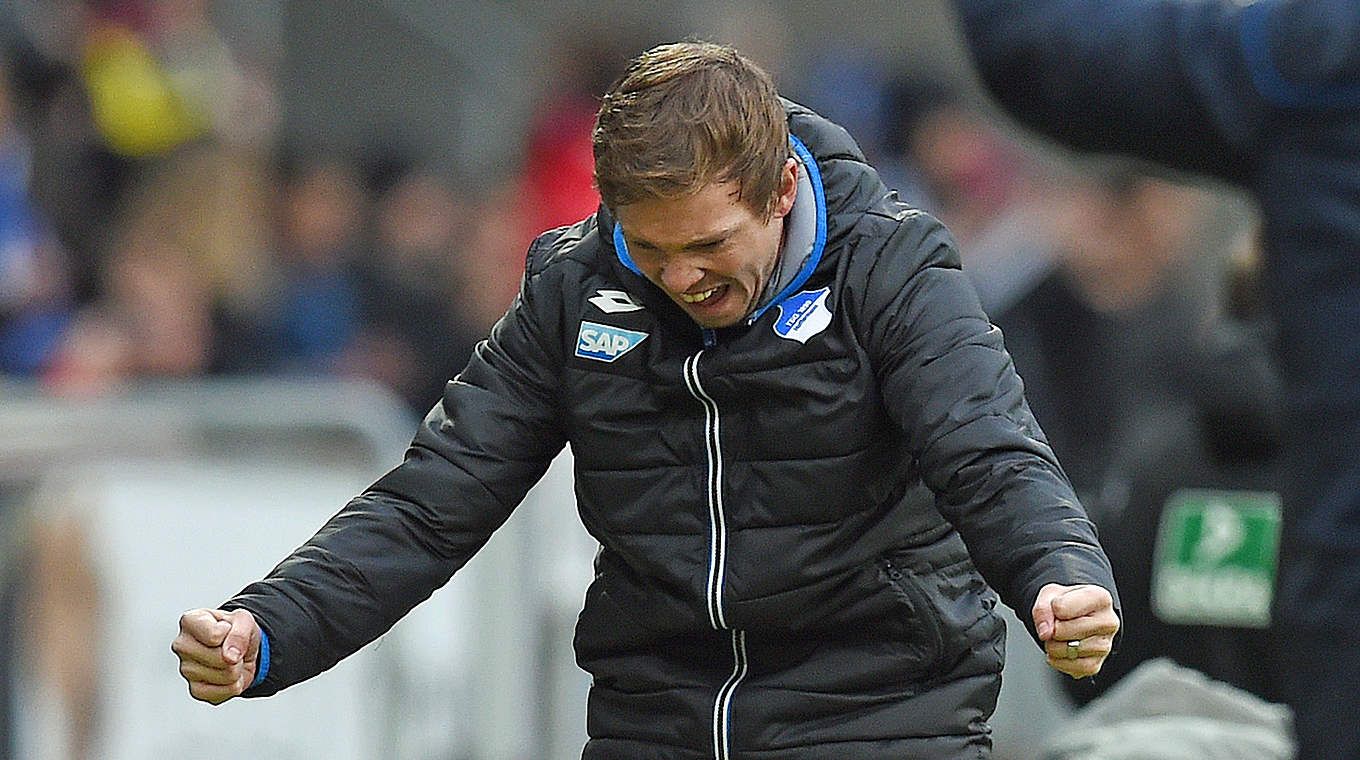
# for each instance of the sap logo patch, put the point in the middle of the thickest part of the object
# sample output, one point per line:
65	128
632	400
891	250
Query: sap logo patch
605	343
614	301
803	315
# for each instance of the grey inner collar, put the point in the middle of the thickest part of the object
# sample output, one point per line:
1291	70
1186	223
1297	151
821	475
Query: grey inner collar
800	232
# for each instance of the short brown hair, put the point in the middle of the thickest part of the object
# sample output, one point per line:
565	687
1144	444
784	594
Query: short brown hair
687	114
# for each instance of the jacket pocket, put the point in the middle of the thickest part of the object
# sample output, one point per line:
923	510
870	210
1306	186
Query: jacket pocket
945	603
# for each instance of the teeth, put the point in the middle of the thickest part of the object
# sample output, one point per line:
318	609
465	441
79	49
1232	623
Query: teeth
697	297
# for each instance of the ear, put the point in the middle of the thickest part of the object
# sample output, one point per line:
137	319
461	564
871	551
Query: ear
788	189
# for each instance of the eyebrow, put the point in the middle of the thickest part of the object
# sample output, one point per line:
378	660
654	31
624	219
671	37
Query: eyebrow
699	242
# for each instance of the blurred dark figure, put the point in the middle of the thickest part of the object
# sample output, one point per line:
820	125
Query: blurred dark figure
318	305
417	332
1151	397
1108	333
36	291
1223	443
948	158
1265	95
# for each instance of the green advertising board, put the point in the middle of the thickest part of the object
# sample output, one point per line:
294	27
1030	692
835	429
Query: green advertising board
1215	557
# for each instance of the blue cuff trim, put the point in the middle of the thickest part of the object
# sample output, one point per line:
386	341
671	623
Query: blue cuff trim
262	669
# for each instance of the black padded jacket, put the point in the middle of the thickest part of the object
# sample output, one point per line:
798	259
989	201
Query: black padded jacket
773	580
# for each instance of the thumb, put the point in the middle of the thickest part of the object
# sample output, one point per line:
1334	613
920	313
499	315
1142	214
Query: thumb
1044	617
243	638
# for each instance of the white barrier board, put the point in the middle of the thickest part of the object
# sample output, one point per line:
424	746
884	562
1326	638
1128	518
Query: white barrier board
170	536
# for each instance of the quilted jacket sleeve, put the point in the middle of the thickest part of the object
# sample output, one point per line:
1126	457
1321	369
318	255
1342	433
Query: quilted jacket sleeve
949	383
1191	84
472	459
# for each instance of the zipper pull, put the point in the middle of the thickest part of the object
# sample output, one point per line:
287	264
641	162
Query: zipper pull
710	338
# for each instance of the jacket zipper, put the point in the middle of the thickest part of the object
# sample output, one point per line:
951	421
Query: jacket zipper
722	706
717	558
717	547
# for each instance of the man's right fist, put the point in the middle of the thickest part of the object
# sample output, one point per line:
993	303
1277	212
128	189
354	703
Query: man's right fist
218	651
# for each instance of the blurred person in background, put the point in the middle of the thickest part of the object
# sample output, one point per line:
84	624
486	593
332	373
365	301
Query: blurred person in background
1109	331
186	278
1219	447
318	303
154	321
37	298
1266	96
417	330
110	88
754	352
991	190
1146	390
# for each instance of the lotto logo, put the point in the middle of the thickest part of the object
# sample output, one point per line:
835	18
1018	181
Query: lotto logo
605	343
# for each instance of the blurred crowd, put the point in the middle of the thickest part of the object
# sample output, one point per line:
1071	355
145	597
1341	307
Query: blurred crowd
155	225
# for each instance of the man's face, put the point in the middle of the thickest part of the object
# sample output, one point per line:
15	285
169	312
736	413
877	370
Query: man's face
708	251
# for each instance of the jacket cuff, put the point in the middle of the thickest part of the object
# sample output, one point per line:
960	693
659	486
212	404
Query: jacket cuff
262	668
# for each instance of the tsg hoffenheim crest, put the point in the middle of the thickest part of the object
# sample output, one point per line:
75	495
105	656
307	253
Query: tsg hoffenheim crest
803	315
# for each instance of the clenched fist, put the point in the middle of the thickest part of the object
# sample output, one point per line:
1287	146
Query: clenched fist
1077	625
218	651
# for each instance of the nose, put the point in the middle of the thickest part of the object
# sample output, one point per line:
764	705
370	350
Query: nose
678	275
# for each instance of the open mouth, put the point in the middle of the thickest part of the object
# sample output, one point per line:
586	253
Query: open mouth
702	297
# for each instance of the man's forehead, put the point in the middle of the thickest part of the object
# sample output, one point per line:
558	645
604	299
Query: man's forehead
709	214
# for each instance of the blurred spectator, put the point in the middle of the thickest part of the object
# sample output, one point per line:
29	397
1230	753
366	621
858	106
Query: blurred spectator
110	87
36	298
155	321
1143	395
215	206
318	306
135	107
1108	333
992	193
159	74
186	277
417	330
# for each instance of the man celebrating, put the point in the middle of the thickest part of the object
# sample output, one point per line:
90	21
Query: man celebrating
757	355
